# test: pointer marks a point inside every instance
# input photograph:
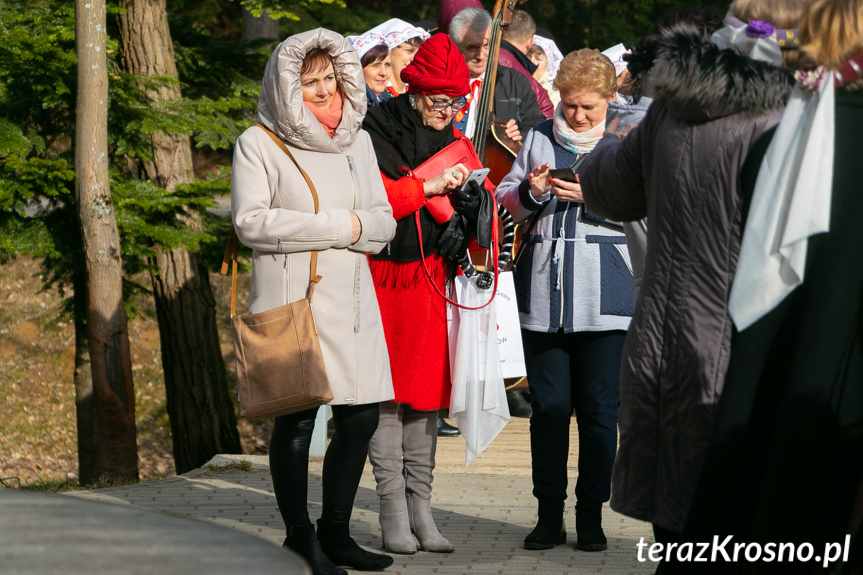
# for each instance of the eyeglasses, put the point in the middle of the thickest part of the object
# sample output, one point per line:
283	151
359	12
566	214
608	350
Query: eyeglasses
441	105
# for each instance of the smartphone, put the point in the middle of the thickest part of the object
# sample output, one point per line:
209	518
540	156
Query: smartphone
568	174
565	174
477	176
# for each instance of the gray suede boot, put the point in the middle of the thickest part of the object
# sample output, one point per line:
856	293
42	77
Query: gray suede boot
422	524
395	525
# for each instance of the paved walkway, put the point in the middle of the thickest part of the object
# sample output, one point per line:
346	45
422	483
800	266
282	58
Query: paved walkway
49	534
485	509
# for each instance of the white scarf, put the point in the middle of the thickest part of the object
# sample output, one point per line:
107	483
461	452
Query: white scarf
572	141
791	202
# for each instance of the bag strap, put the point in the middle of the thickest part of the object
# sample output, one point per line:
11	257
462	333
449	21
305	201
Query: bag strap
434	285
232	249
231	256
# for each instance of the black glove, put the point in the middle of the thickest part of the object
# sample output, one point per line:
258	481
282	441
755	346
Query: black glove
484	220
453	241
467	199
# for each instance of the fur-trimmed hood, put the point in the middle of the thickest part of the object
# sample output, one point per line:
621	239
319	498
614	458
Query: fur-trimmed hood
281	108
699	82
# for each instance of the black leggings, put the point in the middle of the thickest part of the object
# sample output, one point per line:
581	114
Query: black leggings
343	462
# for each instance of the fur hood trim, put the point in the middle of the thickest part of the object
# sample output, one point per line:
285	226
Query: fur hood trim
281	108
699	82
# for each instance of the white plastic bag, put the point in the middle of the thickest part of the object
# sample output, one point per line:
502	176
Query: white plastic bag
478	401
508	328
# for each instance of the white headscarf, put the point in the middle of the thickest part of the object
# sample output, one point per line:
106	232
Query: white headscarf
552	54
615	54
395	32
791	202
362	44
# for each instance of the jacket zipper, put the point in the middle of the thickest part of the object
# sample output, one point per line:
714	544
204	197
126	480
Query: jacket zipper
353	180
562	234
353	172
356	267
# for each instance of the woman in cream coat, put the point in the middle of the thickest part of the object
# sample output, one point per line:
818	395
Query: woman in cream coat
313	99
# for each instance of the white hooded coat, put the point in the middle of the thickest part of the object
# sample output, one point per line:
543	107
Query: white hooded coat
273	213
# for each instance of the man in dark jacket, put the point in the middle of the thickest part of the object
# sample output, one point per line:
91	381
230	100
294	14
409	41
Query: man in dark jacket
516	40
514	100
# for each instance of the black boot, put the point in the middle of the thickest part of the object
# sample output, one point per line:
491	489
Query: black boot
342	550
444	429
549	530
588	526
302	540
518	405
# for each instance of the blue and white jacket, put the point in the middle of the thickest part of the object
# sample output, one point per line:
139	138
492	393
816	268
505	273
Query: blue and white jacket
572	270
375	100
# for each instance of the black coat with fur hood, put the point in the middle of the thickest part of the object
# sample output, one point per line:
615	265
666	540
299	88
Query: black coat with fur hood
680	168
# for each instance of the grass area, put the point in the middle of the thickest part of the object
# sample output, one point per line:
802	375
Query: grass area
38	443
241	465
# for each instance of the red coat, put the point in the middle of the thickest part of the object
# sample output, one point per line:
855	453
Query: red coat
413	312
414	315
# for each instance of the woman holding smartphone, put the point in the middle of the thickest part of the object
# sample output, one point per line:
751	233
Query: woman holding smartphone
406	131
574	289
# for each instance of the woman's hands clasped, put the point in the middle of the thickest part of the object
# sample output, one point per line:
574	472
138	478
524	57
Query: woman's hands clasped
564	191
446	181
356	228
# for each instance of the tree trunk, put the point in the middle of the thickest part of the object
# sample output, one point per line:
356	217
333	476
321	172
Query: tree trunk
261	27
87	445
200	408
112	444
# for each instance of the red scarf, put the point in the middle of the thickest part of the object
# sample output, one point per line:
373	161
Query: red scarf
330	117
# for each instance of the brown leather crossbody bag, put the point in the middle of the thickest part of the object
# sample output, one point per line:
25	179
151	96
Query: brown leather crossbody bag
280	368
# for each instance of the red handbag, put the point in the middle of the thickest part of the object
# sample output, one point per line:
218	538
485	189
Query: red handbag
459	152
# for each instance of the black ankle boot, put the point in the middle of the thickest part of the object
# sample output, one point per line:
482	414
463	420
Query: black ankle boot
342	550
518	405
549	530
302	540
588	526
444	429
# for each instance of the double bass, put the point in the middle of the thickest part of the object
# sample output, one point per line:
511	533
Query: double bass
494	148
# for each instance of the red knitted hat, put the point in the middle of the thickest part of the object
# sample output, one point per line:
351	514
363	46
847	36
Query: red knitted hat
438	68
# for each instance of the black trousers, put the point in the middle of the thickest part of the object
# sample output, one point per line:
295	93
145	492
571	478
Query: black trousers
343	462
580	372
